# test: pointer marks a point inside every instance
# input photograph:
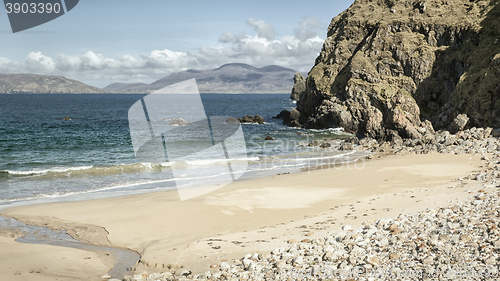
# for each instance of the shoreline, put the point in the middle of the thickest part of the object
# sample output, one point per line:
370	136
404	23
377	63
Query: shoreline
253	215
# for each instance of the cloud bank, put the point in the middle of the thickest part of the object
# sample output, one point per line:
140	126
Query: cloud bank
297	51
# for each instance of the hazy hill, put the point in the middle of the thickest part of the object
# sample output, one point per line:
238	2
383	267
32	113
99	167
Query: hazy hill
229	78
34	84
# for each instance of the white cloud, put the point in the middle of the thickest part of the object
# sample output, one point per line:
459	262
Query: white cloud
36	61
7	66
307	28
264	30
165	58
297	51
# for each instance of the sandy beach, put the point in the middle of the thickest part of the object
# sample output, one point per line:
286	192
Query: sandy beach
244	217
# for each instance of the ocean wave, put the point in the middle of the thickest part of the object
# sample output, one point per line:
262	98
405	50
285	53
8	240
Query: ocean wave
83	170
129	186
202	162
194	174
333	130
116	169
45	171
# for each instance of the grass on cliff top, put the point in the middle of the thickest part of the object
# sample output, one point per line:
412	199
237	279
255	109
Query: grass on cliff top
438	12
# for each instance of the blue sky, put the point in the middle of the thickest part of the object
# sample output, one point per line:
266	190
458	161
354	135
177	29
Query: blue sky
105	41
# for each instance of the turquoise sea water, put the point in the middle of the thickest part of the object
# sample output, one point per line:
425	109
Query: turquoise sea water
44	156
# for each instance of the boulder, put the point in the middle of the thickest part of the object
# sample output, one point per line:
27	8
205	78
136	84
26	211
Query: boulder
299	87
290	118
259	119
252	119
282	115
459	123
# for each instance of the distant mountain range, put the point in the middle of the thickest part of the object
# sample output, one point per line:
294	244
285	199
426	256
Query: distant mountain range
230	78
233	78
33	84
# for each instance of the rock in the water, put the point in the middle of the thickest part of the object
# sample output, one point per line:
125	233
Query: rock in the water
346	146
178	122
326	145
299	87
252	119
259	119
284	114
268	138
232	120
290	118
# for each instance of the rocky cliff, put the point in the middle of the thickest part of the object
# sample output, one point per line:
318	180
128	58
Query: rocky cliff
393	67
299	86
46	84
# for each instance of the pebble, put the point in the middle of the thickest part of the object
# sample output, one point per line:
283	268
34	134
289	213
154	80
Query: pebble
346	228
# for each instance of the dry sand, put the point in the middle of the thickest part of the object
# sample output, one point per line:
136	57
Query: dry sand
244	217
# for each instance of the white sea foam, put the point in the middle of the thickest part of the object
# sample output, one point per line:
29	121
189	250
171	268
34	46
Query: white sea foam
203	162
47	171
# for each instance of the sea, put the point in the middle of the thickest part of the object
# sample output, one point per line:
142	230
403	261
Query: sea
64	147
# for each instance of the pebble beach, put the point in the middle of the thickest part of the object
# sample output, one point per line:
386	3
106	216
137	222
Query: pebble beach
458	241
424	209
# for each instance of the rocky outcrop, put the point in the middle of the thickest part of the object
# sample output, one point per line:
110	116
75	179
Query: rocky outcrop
402	68
299	86
252	119
290	118
43	84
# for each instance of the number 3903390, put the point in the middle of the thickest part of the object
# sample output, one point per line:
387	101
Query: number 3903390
33	8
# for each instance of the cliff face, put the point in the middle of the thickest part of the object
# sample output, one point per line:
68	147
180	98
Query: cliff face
389	64
46	84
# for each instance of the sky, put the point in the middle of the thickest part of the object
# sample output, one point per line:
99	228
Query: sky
100	42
